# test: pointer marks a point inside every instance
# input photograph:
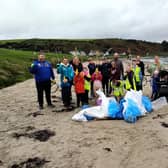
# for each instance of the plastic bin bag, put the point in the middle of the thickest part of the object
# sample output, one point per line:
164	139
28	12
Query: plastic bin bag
137	97
113	109
131	112
147	103
159	103
104	104
79	117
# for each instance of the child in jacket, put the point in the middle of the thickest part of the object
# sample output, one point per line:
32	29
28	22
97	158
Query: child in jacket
79	82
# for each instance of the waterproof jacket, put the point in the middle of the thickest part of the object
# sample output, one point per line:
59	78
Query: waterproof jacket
79	82
42	71
65	71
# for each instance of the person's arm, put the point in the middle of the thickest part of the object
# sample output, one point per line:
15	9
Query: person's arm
33	69
72	73
52	73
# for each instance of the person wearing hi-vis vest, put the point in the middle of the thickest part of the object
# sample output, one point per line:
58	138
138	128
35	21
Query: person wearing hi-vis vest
117	89
129	79
87	84
137	74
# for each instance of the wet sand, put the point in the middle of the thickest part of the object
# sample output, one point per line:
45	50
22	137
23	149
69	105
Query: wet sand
96	144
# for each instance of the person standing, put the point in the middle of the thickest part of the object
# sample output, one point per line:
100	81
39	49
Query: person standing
112	75
154	70
43	74
79	83
87	84
66	76
105	71
97	80
129	79
92	68
142	66
137	74
119	67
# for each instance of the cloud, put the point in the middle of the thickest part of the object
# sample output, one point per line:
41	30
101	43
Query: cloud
138	19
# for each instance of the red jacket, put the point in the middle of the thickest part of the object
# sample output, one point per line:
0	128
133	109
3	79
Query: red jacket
97	76
79	82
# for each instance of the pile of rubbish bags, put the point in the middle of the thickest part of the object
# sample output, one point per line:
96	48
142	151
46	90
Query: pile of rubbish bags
130	108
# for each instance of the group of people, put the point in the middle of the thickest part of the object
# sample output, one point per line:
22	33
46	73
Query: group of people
87	78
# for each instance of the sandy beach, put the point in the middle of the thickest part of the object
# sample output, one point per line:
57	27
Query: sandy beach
96	144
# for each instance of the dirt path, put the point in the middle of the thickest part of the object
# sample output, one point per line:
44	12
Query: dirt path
97	144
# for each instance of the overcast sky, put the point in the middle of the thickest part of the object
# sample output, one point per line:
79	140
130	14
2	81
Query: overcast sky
132	19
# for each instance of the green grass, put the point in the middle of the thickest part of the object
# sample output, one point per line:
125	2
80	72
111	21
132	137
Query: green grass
14	65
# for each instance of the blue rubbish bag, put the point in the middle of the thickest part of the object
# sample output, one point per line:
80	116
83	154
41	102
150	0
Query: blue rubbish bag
89	118
114	110
132	112
147	104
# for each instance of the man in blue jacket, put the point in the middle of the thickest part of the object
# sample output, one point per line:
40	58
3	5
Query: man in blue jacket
43	74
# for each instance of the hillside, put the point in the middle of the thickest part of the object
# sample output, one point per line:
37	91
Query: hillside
64	46
14	65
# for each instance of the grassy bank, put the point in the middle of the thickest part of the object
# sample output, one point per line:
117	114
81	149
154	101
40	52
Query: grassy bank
14	65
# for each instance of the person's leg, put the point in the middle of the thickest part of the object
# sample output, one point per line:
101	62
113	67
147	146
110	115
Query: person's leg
68	96
110	88
137	86
40	94
91	90
78	100
141	85
86	96
83	99
70	91
107	86
104	85
63	95
47	88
